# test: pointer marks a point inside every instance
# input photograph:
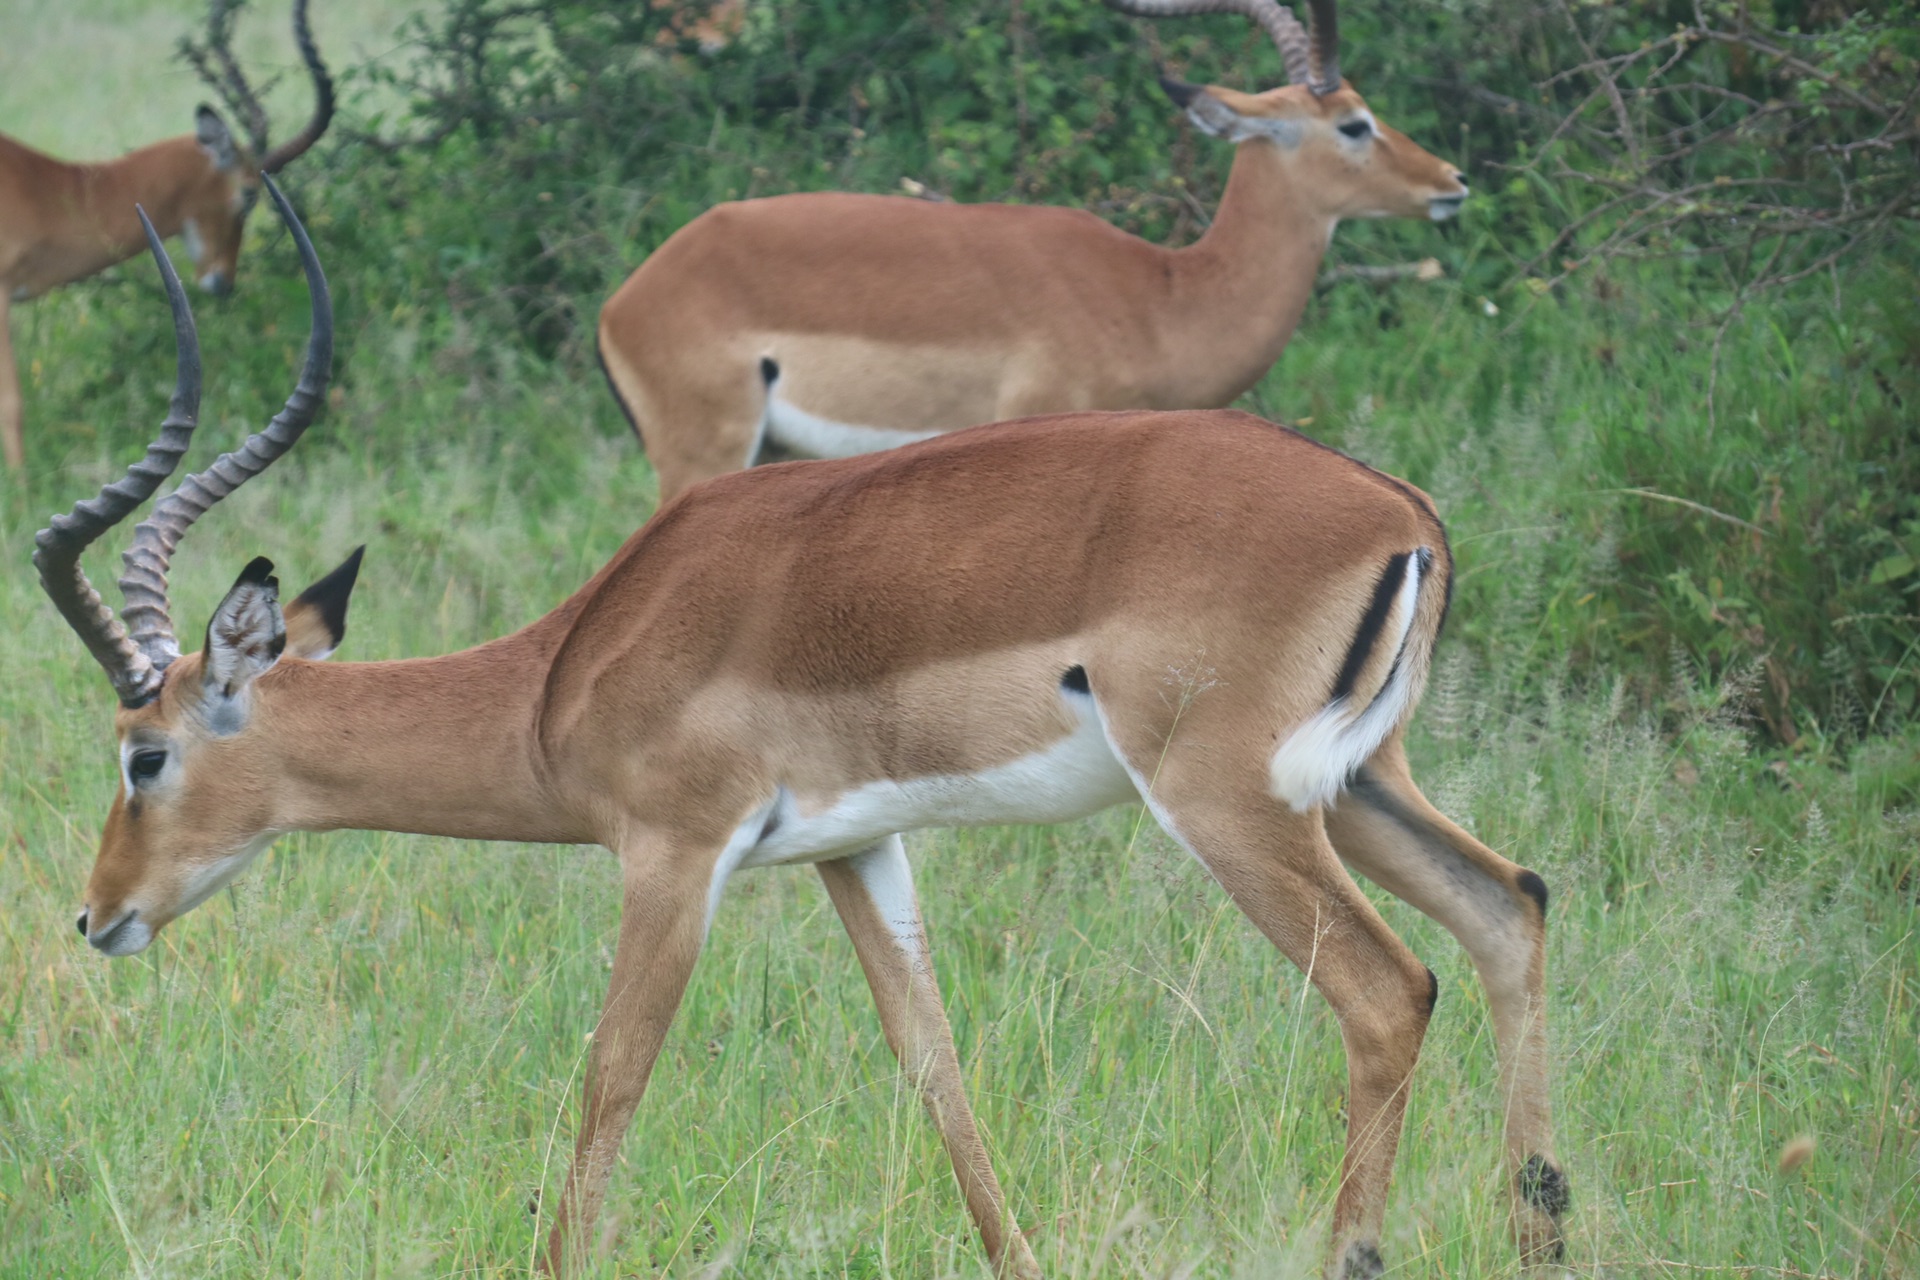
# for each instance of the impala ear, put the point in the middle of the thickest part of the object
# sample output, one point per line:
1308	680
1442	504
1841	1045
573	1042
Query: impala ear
246	635
1212	116
210	131
317	619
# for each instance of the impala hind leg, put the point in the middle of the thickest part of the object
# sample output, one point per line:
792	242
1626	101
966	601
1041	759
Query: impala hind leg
662	922
1385	829
873	892
1280	869
12	442
695	418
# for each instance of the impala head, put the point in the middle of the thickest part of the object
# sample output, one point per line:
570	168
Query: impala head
194	753
225	189
1348	160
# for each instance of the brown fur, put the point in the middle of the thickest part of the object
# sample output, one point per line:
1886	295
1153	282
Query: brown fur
817	627
913	316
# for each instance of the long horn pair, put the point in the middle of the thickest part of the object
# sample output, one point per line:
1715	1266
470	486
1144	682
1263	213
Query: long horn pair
136	655
215	62
1313	61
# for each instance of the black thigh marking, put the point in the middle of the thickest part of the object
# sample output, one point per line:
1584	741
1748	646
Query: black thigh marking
600	354
1371	624
1075	680
1461	871
769	370
1534	887
1544	1187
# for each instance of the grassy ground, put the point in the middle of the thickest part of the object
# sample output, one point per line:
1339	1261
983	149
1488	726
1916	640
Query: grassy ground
363	1060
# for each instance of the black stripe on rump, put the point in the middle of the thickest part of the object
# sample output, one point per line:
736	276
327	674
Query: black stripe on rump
1371	624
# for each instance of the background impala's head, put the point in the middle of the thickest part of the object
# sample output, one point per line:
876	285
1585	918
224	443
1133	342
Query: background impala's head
226	181
1341	156
194	803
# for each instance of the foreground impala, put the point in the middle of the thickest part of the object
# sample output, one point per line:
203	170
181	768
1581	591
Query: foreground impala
797	663
825	325
62	222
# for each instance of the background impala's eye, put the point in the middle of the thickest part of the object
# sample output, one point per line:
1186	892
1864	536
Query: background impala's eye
145	765
1357	129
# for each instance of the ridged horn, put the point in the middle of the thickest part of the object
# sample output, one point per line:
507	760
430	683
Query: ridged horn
1326	47
1288	36
144	584
57	548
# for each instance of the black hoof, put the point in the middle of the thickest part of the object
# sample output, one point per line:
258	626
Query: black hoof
1543	1186
1362	1263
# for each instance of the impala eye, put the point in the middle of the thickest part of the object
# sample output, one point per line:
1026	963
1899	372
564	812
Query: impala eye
145	766
1357	129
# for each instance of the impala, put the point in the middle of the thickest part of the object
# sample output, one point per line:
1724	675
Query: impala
62	222
795	664
828	325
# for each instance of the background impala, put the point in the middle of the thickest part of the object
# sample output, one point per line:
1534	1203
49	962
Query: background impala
61	222
825	325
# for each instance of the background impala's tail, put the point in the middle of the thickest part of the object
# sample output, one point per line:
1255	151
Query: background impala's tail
1379	681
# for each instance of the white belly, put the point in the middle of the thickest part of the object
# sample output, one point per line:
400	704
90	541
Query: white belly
1074	777
800	432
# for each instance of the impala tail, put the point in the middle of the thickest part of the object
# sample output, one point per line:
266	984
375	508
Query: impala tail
1378	685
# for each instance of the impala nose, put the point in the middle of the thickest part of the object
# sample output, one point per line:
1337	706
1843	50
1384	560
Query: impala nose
123	937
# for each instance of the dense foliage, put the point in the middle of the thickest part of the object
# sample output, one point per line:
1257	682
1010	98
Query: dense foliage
1731	469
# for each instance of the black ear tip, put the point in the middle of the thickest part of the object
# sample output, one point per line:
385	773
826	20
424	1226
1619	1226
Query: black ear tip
259	569
350	567
1180	91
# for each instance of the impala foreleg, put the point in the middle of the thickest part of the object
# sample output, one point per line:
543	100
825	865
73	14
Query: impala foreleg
12	443
1280	869
873	892
1385	829
662	922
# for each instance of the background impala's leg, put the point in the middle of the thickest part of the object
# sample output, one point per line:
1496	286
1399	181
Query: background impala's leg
1385	829
12	442
873	892
662	921
1280	869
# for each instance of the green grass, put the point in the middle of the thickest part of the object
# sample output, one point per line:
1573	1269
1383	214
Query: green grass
364	1060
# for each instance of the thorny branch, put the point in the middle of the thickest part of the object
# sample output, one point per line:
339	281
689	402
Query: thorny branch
1775	153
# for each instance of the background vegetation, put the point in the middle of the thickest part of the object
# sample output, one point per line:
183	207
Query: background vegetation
1682	680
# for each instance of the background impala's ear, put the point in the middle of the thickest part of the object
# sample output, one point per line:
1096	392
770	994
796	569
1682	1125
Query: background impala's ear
246	634
1208	112
317	620
210	131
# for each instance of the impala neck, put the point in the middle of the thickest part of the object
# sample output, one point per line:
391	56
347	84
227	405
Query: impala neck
89	222
1242	288
433	746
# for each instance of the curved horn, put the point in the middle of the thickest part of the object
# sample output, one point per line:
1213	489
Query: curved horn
1326	47
277	159
145	582
57	548
1275	19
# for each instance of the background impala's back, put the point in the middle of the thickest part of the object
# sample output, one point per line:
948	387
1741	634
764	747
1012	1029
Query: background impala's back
1697	721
